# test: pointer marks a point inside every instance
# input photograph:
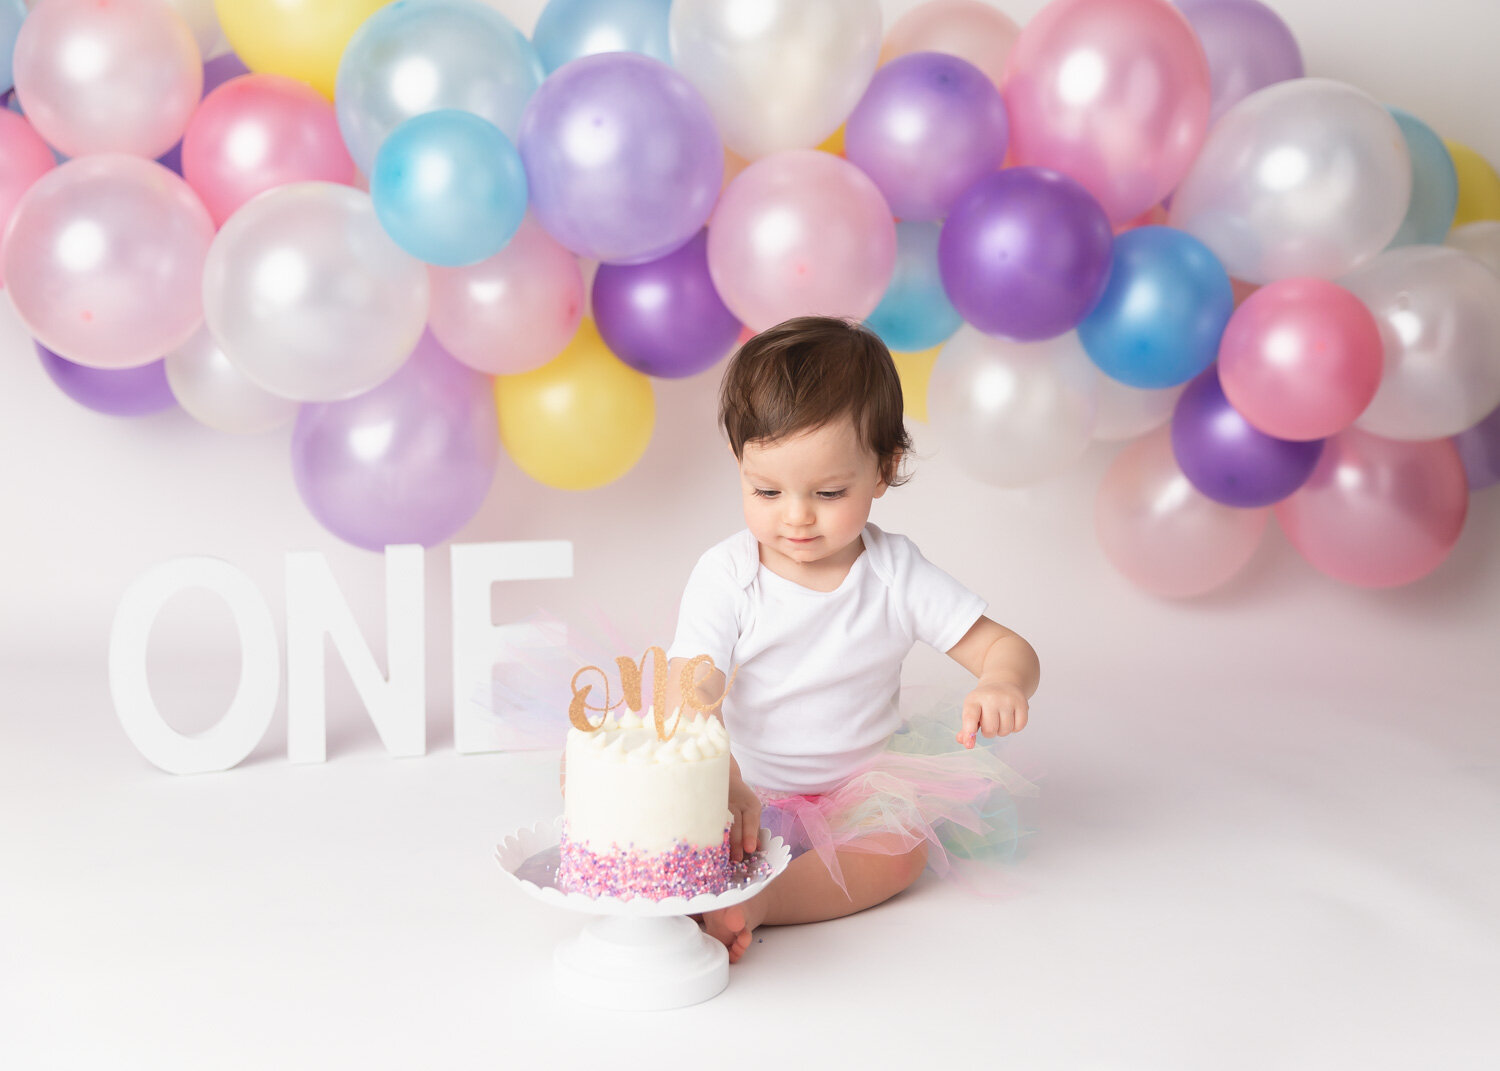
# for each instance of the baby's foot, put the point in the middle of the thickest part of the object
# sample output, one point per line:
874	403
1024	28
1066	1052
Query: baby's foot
732	927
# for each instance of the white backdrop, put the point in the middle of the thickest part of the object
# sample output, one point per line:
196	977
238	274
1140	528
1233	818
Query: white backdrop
1267	834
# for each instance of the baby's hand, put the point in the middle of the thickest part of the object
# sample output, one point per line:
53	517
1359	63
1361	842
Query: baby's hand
744	805
994	708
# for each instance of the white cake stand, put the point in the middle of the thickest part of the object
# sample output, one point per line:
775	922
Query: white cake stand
639	954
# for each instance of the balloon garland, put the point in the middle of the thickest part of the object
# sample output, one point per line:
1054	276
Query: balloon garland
1123	221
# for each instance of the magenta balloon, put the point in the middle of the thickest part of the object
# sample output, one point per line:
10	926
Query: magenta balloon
622	157
104	260
1161	532
1025	253
112	391
410	461
1301	358
1247	45
1479	448
257	132
24	158
1378	512
928	125
1114	93
664	318
95	77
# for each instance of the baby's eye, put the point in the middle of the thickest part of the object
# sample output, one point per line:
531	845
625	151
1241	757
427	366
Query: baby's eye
832	494
762	492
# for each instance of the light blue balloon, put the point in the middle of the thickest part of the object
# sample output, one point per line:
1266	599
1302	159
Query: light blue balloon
417	56
915	313
12	14
567	29
1163	310
1434	184
449	188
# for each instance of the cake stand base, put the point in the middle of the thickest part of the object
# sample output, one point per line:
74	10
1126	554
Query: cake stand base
641	964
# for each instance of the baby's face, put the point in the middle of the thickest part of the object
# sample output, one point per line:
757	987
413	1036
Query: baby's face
807	498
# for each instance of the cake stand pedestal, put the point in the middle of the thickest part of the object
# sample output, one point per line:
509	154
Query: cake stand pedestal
638	954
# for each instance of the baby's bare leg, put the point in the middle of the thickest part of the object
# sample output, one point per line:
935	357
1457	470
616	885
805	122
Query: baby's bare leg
806	892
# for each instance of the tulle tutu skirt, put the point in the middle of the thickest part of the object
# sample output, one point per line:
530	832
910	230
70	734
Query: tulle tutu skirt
924	787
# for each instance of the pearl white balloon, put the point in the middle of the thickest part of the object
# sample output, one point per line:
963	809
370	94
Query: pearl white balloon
1304	177
1126	412
777	74
215	393
203	20
1438	310
1012	413
309	297
1481	240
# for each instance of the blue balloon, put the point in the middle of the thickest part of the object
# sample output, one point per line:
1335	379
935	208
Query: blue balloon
1434	184
915	313
1163	310
568	29
449	188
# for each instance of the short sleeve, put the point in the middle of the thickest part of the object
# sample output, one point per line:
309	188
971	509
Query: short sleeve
941	610
708	616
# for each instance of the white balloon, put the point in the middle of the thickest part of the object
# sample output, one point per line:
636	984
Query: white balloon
309	297
203	20
217	394
1481	240
1304	177
1126	412
1012	413
777	74
1438	310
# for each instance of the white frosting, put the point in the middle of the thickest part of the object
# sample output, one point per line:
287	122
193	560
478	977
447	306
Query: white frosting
626	786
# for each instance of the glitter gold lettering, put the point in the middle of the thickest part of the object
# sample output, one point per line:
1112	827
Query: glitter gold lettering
579	707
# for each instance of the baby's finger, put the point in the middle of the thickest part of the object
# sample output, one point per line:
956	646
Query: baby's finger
990	724
751	825
970	723
1021	716
736	835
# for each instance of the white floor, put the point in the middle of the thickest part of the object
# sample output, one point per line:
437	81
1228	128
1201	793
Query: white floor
1230	870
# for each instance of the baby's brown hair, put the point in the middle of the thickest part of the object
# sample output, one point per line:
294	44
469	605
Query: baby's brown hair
811	371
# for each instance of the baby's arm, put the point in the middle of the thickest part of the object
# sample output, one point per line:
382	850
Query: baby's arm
744	804
1008	672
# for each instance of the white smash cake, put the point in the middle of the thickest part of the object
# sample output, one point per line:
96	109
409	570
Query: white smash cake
645	816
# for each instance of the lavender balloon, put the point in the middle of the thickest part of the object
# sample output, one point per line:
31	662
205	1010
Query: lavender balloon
1479	449
1025	253
112	391
1226	458
1248	48
409	461
928	125
665	318
622	157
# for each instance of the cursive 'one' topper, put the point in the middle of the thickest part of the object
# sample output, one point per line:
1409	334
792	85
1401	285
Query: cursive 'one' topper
630	683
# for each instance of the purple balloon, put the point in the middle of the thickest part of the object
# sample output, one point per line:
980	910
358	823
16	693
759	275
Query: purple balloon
1248	48
112	391
216	72
409	461
1025	253
1479	449
928	125
665	318
1226	458
622	157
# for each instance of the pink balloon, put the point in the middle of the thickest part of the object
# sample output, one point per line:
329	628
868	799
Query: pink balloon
259	131
1114	93
512	312
1161	532
1301	358
104	257
797	233
24	158
1378	512
970	29
122	76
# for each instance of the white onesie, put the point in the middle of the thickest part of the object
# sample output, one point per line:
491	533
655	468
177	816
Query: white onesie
818	672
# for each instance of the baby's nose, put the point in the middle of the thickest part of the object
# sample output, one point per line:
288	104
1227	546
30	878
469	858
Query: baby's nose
799	511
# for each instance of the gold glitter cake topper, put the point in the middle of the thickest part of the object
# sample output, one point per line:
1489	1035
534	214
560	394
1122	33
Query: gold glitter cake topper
630	683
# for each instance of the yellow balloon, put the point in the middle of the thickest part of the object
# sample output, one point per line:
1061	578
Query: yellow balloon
834	143
1478	185
581	420
301	39
915	369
